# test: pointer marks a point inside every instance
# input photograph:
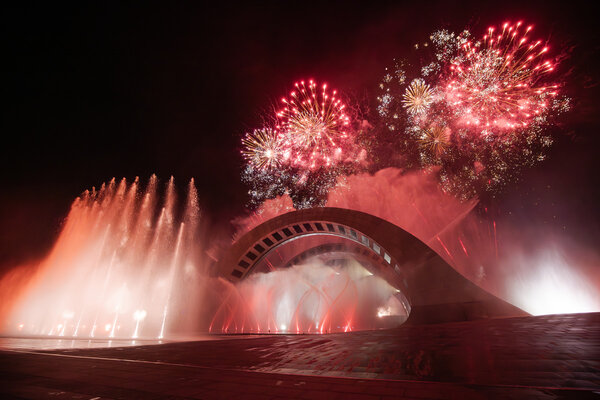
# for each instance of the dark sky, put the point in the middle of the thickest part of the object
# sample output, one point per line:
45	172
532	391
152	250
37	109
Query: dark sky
94	91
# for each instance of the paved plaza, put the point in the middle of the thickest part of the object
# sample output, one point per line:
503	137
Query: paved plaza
543	357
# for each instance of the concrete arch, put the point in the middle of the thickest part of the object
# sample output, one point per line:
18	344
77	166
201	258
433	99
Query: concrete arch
435	291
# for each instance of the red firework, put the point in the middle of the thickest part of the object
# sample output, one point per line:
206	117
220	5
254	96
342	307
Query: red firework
499	81
314	127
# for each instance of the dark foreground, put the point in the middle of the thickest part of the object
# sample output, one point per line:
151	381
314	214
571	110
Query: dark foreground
531	357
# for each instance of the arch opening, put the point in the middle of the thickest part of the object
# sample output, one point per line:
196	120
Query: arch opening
320	277
265	267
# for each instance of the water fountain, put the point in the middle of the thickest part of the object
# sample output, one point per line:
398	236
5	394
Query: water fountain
318	296
123	266
129	263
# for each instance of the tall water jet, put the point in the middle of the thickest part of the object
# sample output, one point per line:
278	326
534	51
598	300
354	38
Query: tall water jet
113	271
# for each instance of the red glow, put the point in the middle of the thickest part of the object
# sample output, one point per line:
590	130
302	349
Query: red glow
313	124
499	84
307	298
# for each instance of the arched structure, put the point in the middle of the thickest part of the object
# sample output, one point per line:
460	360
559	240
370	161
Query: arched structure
435	291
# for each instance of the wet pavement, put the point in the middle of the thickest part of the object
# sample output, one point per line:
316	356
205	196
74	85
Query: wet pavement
12	343
57	343
526	357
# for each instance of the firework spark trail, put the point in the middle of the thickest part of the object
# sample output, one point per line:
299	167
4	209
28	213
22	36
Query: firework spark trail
463	247
446	249
496	82
480	110
314	126
262	148
310	144
435	140
418	97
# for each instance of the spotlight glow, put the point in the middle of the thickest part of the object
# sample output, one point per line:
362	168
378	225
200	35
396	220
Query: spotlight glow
549	285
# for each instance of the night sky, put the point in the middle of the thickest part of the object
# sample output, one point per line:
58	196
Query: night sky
96	91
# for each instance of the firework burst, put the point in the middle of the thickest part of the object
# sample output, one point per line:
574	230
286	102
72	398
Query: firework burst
311	145
418	97
498	82
387	108
435	140
314	126
483	113
262	148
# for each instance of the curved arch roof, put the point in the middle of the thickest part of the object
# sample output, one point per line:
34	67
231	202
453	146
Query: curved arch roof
435	290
